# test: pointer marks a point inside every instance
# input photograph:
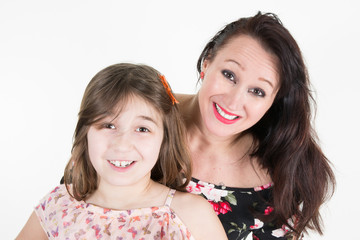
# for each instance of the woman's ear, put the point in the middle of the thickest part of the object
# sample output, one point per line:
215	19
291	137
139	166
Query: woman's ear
205	65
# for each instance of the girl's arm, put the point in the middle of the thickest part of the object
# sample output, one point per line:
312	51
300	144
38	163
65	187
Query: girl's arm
199	216
32	229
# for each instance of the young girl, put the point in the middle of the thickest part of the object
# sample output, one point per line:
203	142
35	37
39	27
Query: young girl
128	160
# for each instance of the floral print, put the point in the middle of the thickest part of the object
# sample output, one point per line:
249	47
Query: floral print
235	207
258	224
63	217
213	195
221	207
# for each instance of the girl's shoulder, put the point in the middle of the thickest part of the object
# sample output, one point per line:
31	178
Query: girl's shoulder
197	214
191	205
59	192
55	199
185	200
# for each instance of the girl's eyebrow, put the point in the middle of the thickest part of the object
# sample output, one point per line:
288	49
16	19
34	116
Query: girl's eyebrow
147	118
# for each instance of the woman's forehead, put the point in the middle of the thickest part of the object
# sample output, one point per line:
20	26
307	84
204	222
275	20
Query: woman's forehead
247	52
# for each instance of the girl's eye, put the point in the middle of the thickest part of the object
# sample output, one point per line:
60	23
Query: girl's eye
229	75
258	92
142	129
109	126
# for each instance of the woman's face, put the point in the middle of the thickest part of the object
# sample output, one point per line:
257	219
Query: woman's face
239	86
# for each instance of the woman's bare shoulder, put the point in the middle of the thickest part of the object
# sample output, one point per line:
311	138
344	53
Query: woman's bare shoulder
187	106
184	98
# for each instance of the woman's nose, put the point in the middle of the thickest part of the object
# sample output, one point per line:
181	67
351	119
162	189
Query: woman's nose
236	99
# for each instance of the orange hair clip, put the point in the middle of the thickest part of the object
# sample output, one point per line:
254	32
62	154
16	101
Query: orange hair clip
167	88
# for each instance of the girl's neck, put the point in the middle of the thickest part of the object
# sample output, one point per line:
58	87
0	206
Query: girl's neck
135	196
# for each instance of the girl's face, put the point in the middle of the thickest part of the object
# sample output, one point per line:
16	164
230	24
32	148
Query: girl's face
239	86
124	148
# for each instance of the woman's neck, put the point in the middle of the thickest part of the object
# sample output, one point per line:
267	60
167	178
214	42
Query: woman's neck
201	139
217	159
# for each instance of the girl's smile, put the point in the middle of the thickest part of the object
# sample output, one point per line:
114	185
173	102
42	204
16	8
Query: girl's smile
121	166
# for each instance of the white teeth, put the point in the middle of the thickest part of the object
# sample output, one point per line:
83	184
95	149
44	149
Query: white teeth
121	163
223	114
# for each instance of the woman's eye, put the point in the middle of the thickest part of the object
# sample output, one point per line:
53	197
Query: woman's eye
229	75
109	126
142	129
257	92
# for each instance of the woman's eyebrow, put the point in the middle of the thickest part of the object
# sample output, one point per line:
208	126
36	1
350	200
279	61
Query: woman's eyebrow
237	63
240	66
268	81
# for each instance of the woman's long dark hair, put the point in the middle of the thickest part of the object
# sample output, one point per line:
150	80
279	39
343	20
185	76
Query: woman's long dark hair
286	142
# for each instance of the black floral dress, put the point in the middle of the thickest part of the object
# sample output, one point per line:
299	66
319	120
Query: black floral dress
233	206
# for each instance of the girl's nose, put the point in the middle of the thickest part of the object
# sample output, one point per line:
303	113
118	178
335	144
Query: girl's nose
122	142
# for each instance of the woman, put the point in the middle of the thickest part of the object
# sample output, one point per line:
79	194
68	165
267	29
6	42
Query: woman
255	155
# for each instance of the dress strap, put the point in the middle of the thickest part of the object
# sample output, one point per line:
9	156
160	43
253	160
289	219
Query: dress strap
170	197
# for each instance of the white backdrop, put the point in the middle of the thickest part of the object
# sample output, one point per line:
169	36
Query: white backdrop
49	51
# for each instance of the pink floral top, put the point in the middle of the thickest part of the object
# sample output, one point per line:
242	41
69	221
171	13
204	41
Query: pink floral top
63	217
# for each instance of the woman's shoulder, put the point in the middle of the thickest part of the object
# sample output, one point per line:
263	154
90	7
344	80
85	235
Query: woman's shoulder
187	106
185	100
183	96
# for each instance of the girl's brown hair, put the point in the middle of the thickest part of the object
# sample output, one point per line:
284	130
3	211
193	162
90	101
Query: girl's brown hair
111	86
286	142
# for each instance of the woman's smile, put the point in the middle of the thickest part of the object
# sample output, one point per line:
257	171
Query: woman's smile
224	116
238	87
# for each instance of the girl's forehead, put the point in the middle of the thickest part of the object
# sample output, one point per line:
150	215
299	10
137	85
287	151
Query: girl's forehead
134	102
